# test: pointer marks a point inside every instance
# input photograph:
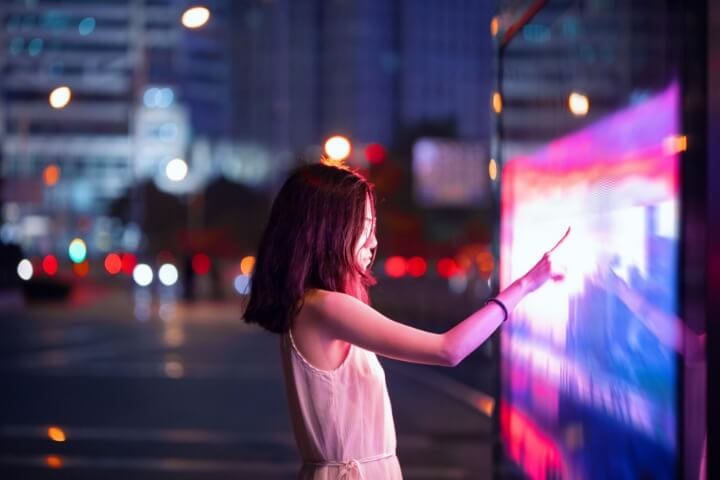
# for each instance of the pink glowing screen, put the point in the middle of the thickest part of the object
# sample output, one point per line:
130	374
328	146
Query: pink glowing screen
589	377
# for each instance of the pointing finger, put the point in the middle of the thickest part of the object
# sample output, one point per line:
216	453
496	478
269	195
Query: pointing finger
567	232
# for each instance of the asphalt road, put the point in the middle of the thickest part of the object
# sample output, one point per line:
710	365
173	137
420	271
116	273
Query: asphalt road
91	391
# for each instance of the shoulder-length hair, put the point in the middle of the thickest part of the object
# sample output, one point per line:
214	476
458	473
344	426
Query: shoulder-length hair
309	241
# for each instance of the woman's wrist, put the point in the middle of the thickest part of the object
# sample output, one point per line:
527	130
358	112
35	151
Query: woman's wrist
499	303
524	285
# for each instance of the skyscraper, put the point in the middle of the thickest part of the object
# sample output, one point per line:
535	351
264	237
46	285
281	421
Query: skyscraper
140	84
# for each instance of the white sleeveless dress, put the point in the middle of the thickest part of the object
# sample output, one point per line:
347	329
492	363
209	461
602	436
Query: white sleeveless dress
342	419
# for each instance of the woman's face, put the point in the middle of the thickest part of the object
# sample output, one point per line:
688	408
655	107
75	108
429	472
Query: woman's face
365	246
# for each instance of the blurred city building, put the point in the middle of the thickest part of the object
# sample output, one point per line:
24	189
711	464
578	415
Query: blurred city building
573	63
140	90
367	70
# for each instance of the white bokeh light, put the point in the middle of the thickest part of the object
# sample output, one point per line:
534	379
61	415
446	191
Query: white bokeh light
578	104
25	269
143	274
337	147
60	97
176	169
195	17
168	274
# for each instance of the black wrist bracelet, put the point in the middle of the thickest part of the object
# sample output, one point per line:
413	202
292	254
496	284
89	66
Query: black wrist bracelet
499	304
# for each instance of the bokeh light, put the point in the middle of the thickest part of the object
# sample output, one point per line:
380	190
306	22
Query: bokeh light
176	169
485	262
56	434
168	274
201	263
395	267
578	104
51	175
81	269
494	26
497	102
113	263
50	265
53	461
25	269
77	251
60	97
129	261
337	148
195	17
492	169
242	284
86	26
416	267
143	274
375	153
155	97
447	267
247	264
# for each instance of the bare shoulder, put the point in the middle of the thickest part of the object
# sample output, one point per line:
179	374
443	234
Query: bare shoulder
327	304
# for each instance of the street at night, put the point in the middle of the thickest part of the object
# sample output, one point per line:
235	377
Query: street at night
197	395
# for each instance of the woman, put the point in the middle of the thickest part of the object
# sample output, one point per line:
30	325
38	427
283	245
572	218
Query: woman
310	285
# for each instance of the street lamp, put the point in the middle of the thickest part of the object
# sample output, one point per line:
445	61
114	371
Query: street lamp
195	17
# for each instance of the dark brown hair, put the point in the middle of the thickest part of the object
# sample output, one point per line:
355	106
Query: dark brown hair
315	222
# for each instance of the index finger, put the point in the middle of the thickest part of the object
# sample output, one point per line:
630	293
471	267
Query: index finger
567	232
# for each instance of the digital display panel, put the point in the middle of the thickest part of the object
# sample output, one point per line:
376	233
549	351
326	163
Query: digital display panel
589	383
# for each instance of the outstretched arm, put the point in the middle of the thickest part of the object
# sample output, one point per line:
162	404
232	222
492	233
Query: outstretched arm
346	318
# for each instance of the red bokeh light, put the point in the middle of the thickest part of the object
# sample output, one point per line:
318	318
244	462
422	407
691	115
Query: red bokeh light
50	265
201	263
395	267
375	153
113	263
128	261
447	267
416	267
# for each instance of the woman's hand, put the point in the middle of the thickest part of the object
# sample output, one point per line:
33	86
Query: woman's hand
545	269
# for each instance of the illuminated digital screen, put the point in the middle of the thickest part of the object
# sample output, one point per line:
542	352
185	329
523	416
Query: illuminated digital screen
589	379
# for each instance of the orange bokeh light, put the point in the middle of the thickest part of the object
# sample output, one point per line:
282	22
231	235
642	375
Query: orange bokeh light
485	262
51	175
53	461
56	434
494	26
81	269
247	264
497	102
